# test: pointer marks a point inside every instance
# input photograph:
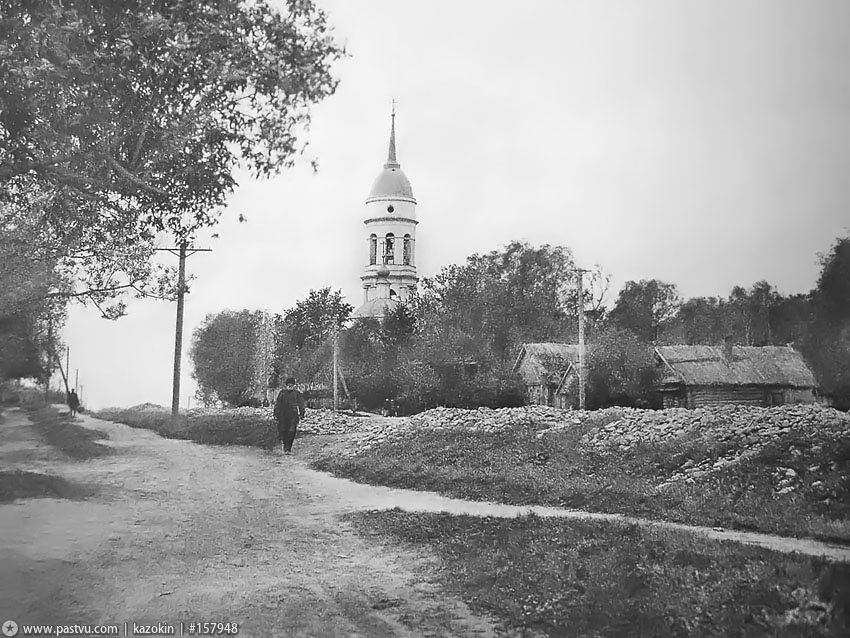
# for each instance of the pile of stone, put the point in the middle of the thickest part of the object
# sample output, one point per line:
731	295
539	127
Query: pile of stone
489	420
330	422
741	431
249	412
745	425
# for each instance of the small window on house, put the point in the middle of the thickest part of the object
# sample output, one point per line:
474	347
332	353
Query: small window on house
373	249
389	249
407	247
393	293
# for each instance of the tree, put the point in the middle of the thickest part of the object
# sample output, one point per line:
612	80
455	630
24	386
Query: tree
827	344
303	337
621	370
703	320
20	355
223	355
791	318
313	320
398	326
645	306
505	297
832	295
122	120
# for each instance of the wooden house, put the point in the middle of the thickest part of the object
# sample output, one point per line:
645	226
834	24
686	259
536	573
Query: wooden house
546	370
699	376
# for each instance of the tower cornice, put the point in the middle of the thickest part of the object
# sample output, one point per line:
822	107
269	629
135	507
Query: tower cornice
407	220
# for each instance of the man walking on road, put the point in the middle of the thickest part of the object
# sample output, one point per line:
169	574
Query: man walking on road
73	402
288	410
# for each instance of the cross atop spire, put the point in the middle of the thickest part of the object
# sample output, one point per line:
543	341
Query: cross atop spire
392	162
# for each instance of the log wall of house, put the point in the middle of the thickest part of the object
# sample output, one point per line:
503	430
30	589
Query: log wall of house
699	397
799	395
702	396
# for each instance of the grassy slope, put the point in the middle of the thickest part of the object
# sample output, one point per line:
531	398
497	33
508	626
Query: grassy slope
226	428
560	578
516	467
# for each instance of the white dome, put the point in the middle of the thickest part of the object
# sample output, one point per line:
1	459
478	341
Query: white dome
392	183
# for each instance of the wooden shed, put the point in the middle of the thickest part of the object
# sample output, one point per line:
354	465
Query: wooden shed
544	368
699	376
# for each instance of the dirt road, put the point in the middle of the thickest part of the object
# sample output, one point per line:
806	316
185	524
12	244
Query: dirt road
180	531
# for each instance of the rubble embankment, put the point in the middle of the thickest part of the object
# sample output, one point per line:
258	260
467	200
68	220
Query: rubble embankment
734	432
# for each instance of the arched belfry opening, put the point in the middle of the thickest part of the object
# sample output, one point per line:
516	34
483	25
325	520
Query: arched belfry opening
373	249
389	249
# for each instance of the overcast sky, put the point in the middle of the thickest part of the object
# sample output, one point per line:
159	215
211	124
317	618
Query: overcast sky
702	143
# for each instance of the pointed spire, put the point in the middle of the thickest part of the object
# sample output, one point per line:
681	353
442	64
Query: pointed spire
392	162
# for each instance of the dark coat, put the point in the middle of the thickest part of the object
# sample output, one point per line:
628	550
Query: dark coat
289	405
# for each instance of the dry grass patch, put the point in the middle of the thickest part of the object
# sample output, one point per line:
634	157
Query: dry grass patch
560	578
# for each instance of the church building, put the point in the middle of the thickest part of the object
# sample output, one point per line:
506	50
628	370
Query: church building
389	276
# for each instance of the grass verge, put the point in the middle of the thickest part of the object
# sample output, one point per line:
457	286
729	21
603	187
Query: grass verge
557	578
77	442
515	466
225	428
20	484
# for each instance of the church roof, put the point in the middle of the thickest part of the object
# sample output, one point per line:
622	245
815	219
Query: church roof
377	308
391	183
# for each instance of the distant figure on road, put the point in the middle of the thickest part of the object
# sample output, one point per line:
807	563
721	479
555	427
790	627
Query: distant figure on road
288	410
73	402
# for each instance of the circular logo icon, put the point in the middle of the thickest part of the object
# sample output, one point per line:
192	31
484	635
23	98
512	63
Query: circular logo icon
10	628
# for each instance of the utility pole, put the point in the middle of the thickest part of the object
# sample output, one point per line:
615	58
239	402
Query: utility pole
178	338
581	346
182	252
49	370
336	369
64	376
581	339
77	381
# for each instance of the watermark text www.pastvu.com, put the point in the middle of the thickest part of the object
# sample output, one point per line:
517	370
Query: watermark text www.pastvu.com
11	629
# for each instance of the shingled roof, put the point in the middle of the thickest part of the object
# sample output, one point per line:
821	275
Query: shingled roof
546	362
706	366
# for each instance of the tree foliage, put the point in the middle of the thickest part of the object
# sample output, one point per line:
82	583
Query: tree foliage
827	344
20	355
621	370
303	336
223	353
496	301
644	306
119	120
454	343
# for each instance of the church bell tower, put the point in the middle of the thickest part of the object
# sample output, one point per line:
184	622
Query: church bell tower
389	276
